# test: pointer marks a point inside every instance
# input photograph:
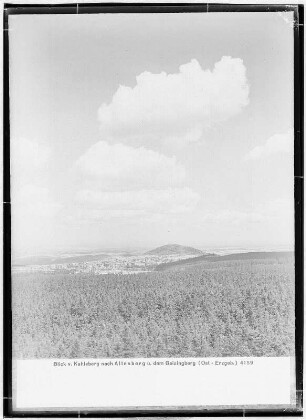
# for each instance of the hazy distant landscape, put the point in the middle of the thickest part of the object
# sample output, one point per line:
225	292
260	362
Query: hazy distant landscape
112	262
123	262
170	301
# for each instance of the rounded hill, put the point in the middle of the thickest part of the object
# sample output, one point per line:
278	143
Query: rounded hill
174	249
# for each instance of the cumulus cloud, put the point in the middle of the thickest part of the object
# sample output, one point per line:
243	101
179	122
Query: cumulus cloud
163	106
120	181
124	175
124	203
120	167
279	143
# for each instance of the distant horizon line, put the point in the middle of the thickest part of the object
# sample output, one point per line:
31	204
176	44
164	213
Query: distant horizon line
97	249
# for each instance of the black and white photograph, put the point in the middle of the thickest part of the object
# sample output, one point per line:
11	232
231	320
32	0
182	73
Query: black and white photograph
152	188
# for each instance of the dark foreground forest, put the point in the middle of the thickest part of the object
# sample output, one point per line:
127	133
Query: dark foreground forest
229	308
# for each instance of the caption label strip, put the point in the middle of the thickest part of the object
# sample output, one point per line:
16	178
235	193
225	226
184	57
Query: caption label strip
165	382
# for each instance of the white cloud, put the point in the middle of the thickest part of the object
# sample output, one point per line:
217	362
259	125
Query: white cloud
119	167
137	203
124	175
120	181
279	143
164	106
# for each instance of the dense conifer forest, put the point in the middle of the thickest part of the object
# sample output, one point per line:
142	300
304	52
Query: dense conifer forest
224	308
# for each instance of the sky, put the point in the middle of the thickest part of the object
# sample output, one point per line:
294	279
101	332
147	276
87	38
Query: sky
138	130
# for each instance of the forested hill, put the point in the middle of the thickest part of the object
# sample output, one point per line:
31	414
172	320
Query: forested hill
174	249
181	264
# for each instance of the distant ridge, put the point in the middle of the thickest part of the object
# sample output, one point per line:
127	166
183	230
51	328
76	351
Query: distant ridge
49	260
189	262
174	249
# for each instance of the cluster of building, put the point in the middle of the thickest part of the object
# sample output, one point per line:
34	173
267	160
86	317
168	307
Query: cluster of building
118	264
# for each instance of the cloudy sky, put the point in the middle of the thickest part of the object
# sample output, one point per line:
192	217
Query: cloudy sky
141	130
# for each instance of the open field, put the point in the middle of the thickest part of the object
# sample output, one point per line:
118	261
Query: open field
224	308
